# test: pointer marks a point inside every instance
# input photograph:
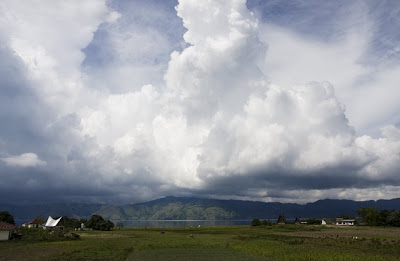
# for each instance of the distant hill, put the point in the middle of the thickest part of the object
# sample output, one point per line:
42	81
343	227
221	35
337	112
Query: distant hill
181	208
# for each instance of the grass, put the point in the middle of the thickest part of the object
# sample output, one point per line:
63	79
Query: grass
288	242
193	254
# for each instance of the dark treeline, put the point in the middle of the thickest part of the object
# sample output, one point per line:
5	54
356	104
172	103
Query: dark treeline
74	223
374	217
96	222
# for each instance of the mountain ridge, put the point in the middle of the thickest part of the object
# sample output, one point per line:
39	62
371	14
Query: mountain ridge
192	208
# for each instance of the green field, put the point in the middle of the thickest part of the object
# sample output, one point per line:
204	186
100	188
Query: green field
286	242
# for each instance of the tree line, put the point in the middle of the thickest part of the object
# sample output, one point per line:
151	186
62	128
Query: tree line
367	216
96	222
374	217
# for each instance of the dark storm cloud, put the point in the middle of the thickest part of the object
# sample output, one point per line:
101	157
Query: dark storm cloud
21	113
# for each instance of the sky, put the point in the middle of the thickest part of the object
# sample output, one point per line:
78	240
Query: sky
124	101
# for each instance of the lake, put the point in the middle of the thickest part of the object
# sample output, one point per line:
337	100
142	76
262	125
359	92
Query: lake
181	223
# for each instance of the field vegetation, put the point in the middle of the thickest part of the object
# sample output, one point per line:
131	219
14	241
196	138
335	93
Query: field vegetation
265	242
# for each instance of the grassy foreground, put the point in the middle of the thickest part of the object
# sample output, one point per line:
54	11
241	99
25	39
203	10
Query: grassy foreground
288	242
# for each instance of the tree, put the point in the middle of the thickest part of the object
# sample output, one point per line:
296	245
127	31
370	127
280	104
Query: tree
372	217
394	219
383	216
97	222
266	223
369	216
314	221
73	222
119	225
7	217
256	222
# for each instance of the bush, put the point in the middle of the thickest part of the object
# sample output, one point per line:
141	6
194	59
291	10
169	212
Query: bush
73	223
37	235
314	221
119	225
256	222
97	222
266	223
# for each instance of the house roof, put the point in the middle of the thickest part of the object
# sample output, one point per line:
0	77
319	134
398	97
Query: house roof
36	222
51	222
4	225
281	219
344	220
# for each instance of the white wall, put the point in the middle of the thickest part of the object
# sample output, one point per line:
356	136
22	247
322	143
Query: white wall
4	234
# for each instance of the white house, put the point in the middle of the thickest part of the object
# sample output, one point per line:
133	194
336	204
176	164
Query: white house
344	222
54	223
6	230
36	223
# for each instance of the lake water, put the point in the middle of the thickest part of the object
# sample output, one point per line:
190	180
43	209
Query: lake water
182	223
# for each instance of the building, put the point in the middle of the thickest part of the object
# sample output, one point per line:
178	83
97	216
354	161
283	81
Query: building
344	222
6	230
52	223
281	220
36	223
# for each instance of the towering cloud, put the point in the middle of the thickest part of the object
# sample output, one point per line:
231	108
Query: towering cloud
217	125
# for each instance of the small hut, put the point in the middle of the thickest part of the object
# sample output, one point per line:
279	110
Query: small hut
36	223
344	222
281	220
6	230
297	221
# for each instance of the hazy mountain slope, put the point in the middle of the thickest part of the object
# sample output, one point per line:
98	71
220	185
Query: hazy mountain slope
174	208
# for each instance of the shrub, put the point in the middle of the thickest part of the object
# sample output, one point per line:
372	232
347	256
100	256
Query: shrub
97	222
119	225
314	221
256	222
37	235
266	223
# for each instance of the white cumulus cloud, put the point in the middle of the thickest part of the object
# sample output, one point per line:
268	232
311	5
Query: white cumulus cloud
24	160
211	120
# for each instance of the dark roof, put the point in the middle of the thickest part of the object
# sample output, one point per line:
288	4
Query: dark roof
346	220
36	222
4	225
281	219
